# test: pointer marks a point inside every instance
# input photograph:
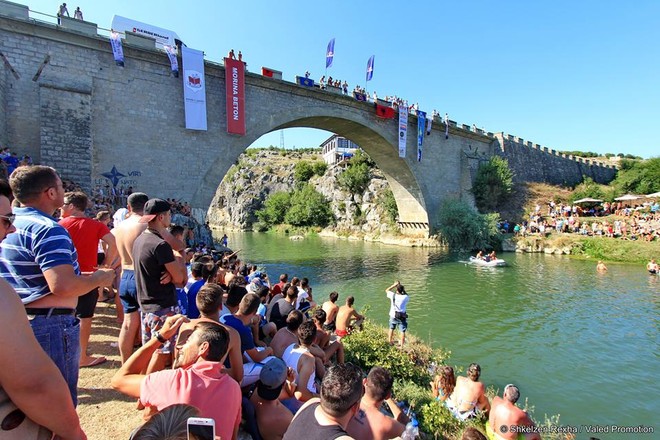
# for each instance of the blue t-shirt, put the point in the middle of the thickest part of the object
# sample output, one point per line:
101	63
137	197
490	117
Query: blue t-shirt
193	312
247	340
38	244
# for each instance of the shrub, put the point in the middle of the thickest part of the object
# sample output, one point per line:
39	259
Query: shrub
588	188
388	202
303	171
493	184
640	177
355	178
308	208
463	229
275	208
320	167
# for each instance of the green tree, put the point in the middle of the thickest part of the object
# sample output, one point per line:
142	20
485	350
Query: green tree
319	167
463	229
355	178
493	184
275	208
639	177
388	202
303	171
588	188
308	208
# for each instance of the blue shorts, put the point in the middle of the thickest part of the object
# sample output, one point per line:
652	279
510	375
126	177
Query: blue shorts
59	336
128	291
402	323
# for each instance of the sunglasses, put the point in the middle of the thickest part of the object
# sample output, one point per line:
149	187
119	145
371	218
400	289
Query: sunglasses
8	219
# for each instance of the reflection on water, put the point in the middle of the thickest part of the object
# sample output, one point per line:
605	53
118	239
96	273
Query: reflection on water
577	342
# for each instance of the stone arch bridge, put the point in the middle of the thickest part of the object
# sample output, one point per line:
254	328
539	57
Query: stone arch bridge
66	103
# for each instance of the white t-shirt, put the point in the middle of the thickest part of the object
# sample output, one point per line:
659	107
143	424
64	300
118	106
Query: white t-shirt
401	302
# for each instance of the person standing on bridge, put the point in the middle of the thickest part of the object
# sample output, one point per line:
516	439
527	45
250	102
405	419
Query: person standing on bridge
63	10
77	14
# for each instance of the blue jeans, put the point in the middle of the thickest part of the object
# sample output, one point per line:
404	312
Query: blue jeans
59	336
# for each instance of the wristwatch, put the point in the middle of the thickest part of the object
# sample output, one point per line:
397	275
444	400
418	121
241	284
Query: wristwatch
160	337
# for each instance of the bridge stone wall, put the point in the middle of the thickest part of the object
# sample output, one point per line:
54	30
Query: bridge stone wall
534	163
3	104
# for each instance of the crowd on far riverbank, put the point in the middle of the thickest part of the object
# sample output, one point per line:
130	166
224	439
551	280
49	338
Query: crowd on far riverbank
641	222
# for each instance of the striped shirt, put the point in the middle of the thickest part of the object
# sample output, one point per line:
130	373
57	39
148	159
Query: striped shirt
38	244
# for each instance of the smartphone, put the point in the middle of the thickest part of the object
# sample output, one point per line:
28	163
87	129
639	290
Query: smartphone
201	429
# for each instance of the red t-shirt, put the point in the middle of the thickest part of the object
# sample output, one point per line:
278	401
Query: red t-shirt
85	233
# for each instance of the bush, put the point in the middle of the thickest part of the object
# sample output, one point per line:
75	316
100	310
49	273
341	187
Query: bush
319	167
588	188
493	184
355	178
308	208
275	208
303	171
388	202
369	347
463	229
639	177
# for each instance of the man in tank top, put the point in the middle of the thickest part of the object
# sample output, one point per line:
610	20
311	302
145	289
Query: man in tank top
327	418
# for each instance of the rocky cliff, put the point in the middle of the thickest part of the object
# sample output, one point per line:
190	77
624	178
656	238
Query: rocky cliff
260	173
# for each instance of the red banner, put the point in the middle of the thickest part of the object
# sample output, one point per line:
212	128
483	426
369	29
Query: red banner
384	111
235	84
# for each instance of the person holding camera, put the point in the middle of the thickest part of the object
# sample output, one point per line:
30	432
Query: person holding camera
398	316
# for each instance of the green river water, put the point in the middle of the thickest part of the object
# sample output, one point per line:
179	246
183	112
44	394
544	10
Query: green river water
578	343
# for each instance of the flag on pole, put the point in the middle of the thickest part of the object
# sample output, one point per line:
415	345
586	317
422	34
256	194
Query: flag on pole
330	53
117	50
370	68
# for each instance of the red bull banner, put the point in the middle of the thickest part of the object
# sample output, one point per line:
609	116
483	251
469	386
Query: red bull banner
235	84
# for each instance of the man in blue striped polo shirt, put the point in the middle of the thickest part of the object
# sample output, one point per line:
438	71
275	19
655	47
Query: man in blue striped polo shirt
40	262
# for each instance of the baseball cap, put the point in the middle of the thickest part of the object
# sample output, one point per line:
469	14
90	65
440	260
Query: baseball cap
271	379
152	208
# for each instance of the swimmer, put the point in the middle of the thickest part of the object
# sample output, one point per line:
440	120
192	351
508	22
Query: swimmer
600	267
652	267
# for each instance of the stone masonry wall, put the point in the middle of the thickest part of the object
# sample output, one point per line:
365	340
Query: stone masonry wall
3	105
533	163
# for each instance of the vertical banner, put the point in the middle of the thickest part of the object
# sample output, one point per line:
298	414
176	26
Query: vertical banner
174	63
429	123
370	69
235	84
446	126
421	126
330	53
403	129
194	88
117	50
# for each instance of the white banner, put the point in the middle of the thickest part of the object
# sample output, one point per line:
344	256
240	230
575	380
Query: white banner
174	63
117	50
194	88
429	123
403	129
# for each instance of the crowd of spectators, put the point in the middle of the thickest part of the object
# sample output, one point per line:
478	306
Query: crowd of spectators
613	220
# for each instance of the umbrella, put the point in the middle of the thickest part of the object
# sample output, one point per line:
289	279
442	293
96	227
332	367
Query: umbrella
627	197
587	200
654	195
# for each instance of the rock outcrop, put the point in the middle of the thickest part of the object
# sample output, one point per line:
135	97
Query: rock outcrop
260	173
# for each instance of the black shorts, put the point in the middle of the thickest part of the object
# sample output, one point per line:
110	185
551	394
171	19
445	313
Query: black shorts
87	304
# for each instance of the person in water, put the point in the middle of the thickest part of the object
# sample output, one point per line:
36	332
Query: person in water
600	267
652	267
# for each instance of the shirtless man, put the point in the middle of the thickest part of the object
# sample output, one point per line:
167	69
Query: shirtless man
125	235
652	267
348	318
370	423
323	340
469	395
600	267
504	412
330	309
273	418
287	335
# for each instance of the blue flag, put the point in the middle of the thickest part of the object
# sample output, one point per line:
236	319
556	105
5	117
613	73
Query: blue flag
370	68
330	53
307	82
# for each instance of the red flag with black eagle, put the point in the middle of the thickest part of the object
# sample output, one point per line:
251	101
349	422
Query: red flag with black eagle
383	111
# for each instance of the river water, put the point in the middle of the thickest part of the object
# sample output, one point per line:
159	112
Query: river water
578	343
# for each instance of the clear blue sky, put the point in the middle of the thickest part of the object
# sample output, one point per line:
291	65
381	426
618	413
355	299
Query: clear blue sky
569	75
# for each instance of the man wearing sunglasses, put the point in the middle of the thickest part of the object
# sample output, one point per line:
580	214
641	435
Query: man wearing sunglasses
40	262
29	380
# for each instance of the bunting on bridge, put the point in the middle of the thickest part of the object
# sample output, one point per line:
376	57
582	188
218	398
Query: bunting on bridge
303	81
421	126
174	63
383	111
